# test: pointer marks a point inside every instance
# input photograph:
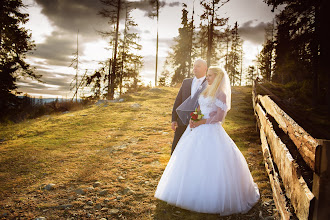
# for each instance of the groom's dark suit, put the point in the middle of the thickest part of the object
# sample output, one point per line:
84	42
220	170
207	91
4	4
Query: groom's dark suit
183	94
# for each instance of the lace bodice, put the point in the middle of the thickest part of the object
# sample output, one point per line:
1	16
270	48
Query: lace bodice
208	105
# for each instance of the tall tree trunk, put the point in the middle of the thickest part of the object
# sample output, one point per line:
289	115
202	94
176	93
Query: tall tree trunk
227	39
210	37
270	65
113	73
315	60
271	52
240	78
109	74
201	45
157	5
191	39
235	41
123	53
121	84
77	70
325	47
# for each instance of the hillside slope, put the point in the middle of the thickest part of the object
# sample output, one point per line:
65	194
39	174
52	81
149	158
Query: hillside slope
106	160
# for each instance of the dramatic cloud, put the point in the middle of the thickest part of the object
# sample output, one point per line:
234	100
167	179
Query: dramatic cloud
56	36
174	4
69	16
57	49
72	15
54	84
149	8
253	33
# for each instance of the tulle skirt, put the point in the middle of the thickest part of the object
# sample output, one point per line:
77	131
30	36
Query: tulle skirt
207	173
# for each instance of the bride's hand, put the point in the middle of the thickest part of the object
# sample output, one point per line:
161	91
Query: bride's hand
213	113
198	123
191	123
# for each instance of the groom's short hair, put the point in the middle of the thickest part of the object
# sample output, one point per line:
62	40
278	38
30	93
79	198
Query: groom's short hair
201	60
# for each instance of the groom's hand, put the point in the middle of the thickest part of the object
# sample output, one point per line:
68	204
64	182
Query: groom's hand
174	125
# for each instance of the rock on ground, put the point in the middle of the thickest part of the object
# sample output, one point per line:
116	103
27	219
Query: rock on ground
50	186
80	191
155	90
135	105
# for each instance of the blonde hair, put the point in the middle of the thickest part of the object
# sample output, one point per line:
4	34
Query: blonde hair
212	89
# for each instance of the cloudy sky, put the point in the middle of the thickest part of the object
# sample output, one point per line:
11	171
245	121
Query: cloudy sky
54	26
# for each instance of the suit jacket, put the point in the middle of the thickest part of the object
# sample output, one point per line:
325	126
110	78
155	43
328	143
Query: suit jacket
184	93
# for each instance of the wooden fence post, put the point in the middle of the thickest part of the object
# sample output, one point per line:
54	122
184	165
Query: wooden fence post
321	181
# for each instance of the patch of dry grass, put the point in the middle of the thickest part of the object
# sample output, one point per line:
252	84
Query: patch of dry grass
124	148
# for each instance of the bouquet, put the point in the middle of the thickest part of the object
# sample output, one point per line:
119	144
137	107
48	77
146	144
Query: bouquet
196	115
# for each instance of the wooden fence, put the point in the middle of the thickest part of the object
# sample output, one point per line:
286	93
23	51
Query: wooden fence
288	184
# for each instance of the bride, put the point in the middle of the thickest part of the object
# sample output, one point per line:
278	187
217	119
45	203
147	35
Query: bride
206	172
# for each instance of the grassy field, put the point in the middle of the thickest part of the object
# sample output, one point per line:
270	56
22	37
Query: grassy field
105	161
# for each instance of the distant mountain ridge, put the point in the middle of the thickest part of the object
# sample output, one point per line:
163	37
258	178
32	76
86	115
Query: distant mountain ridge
47	100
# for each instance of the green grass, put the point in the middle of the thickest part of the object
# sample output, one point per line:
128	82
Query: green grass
101	143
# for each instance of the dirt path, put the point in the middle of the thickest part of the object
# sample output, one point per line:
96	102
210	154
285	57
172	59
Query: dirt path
105	161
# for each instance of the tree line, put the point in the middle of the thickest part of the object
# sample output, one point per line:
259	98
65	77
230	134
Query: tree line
120	72
15	43
296	48
213	40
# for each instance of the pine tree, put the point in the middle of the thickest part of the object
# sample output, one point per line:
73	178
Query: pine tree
234	57
251	76
211	8
15	43
181	50
95	81
302	45
227	40
165	75
124	66
201	41
111	11
75	64
266	55
129	61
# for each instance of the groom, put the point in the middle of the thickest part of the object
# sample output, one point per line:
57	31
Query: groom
190	87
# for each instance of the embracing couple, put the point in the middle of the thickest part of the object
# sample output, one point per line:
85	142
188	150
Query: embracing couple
206	172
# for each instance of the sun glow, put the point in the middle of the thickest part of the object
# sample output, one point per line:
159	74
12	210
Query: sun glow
96	51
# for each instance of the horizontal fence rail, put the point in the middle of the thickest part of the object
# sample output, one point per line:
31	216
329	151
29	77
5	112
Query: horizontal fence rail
305	143
282	167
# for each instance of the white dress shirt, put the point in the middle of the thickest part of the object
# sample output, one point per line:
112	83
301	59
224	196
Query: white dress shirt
196	83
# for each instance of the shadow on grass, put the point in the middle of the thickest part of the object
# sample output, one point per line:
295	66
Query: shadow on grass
23	165
19	170
165	211
95	161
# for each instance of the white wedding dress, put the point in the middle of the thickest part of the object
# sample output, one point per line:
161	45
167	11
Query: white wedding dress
207	173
